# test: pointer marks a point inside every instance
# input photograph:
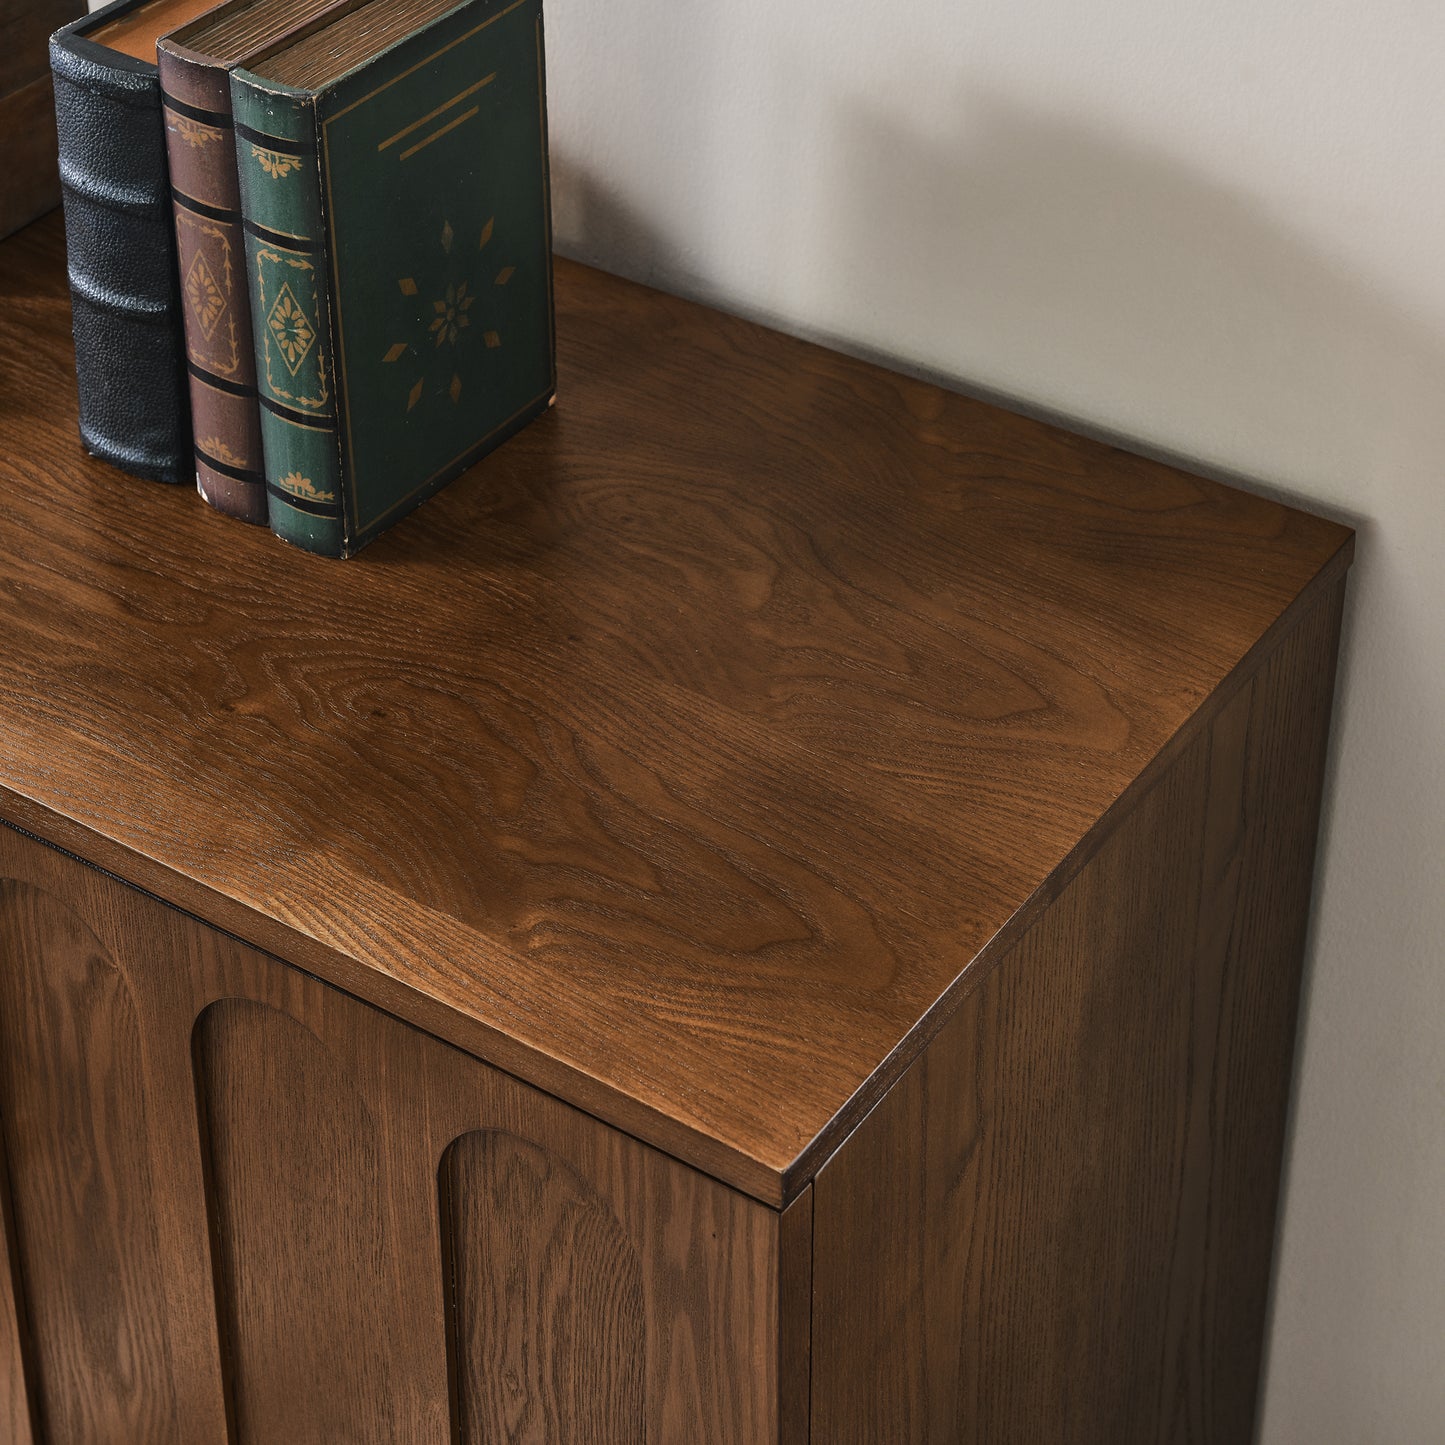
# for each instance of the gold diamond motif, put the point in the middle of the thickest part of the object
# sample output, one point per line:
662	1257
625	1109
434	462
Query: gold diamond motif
204	295
294	333
452	321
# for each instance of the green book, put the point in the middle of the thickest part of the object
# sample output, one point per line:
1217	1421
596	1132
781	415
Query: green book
394	196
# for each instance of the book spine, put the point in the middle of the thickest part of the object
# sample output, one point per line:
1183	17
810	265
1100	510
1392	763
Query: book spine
277	160
215	309
120	250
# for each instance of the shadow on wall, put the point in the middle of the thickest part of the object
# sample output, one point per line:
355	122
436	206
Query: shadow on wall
1088	275
1041	253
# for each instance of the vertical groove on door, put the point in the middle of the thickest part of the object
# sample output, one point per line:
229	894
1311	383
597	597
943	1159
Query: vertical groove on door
318	1298
221	1304
17	1424
548	1324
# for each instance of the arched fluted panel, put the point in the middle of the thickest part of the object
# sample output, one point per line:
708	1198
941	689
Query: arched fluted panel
73	1111
16	1419
548	1331
318	1297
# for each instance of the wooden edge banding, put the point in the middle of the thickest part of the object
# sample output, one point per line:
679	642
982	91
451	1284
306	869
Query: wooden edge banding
1325	590
795	1319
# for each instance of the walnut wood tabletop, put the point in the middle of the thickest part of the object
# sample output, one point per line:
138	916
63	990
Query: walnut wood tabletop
692	757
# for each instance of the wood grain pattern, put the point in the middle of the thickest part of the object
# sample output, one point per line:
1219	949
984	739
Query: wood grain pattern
327	1264
795	1320
684	757
110	1242
550	1327
16	1420
25	29
282	1146
72	1102
1058	1225
29	177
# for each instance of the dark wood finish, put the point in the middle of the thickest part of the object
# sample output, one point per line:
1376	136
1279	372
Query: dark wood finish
770	912
16	1425
97	1122
328	1258
686	758
795	1320
1057	1226
25	30
74	1109
238	1192
29	178
568	1274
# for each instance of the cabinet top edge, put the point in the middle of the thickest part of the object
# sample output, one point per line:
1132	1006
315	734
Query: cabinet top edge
681	756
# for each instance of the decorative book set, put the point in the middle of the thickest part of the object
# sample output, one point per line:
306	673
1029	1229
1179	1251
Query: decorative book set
309	247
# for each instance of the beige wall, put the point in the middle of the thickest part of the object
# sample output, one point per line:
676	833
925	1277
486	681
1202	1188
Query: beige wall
1216	228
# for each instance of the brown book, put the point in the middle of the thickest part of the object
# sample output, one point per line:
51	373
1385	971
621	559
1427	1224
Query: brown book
195	67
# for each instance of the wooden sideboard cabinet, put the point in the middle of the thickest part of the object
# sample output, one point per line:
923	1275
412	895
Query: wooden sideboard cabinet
769	912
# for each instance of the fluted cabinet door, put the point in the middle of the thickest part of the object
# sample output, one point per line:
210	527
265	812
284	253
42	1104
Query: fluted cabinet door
14	1398
106	1207
243	1206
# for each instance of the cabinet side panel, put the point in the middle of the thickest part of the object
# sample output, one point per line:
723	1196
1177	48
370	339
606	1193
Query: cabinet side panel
77	1142
1259	886
322	1303
549	1325
1058	1225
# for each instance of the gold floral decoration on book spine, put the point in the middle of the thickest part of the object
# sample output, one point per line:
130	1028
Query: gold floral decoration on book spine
215	447
192	132
300	486
274	163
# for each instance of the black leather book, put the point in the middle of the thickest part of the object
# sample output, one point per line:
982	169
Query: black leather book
120	245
